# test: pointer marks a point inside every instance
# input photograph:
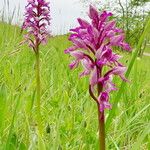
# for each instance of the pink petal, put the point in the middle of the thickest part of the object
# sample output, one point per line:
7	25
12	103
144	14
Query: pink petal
104	16
116	40
79	43
86	63
119	70
94	77
84	73
83	23
70	49
126	46
73	64
110	25
93	13
110	33
77	54
99	52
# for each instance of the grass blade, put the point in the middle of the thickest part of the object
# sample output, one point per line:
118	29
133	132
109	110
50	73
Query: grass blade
141	137
135	54
11	127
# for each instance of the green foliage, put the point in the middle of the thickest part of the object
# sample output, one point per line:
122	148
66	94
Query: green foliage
122	88
69	116
139	2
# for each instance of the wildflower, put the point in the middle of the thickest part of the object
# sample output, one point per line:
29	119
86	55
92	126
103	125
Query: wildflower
37	19
93	44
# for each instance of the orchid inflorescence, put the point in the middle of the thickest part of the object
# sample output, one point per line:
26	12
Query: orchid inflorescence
37	18
93	47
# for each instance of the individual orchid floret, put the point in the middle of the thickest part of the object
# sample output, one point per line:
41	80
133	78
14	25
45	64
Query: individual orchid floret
93	44
37	20
103	101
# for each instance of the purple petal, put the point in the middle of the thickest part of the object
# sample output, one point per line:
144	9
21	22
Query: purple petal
116	40
93	13
120	71
104	16
84	73
73	64
110	25
98	53
126	46
83	23
86	63
79	43
70	49
93	77
77	54
110	34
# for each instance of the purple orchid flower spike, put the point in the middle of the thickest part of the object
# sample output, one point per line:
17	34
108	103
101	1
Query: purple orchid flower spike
93	44
36	22
37	19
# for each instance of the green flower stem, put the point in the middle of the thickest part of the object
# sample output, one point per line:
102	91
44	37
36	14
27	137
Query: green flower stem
38	90
101	120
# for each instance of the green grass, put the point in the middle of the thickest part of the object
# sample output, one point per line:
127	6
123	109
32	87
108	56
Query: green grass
69	115
147	49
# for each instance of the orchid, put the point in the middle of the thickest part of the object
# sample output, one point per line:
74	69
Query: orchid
36	22
93	44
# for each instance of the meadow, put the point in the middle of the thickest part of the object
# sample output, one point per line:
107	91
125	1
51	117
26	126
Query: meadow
69	115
